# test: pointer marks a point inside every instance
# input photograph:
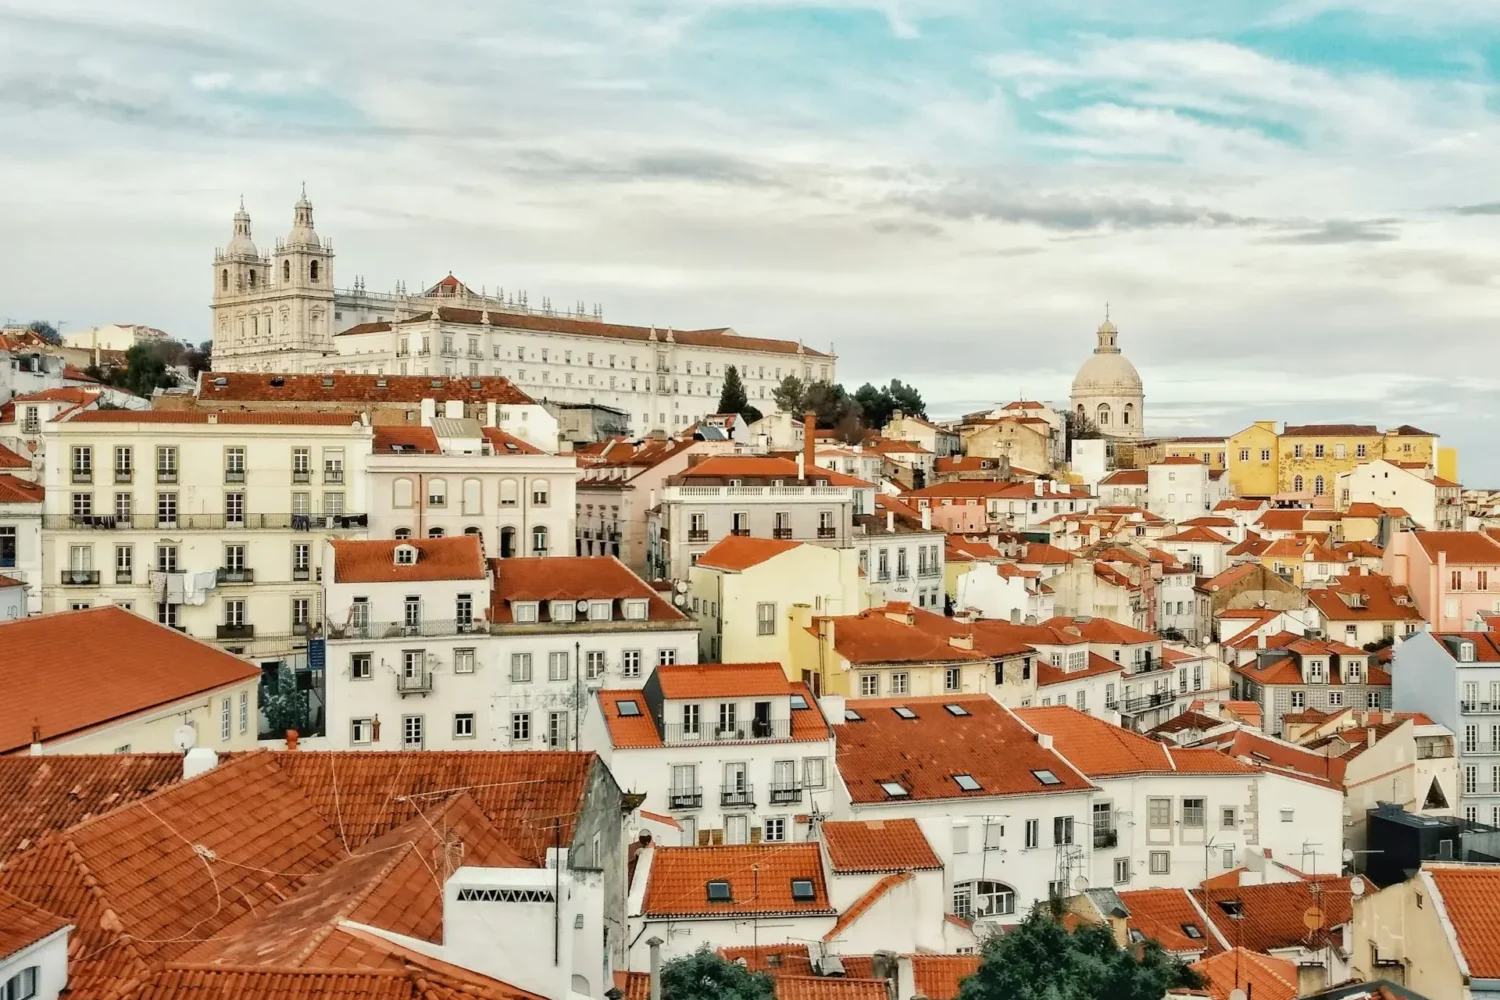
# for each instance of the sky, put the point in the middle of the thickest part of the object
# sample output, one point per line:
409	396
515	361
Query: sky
1289	205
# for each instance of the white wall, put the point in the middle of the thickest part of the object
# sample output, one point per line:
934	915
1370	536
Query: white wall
49	957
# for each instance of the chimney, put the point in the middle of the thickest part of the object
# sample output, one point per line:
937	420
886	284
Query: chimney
890	521
1369	737
291	739
1044	740
36	740
962	641
1015	616
198	760
654	943
375	729
926	518
809	440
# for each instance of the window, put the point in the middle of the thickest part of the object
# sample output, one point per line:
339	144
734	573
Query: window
463	726
813	772
1288	814
244	711
765	618
594	663
1299	699
557	730
83	504
893	789
1062	829
539	540
234	613
124	563
520	727
333	465
1033	833
1317	451
411	732
953	679
166	464
774	833
359	666
520	668
630	663
1046	777
557	666
539	493
1227	818
463	661
224	720
899	682
8	548
666	657
718	892
437	493
1159	813
1122	871
166	510
966	782
1161	862
869	685
301	610
1194	812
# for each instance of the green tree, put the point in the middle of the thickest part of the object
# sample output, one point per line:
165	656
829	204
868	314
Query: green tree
1040	960
1079	427
703	975
789	395
732	398
145	369
45	330
879	403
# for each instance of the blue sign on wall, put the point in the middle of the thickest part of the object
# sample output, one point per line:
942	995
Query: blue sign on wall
317	653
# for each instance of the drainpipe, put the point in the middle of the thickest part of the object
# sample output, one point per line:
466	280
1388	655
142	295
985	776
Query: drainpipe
654	943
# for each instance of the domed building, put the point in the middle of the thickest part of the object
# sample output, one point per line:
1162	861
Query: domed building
1108	390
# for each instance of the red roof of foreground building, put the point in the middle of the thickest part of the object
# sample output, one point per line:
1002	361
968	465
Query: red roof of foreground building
772	959
1165	916
886	635
460	557
14	490
1263	917
1102	750
919	756
1047	674
23	925
737	553
341	387
11	460
1460	548
938	977
1471	899
401	440
576	578
1359	596
1257	975
67	673
878	845
722	680
54	791
760	880
226	418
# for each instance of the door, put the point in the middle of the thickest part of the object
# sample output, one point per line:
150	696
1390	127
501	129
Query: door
762	719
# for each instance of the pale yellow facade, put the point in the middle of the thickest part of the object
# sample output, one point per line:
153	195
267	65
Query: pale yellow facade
1402	924
1447	464
154	731
1025	445
816	661
1213	453
751	615
1251	458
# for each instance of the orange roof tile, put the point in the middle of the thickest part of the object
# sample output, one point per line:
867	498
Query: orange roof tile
728	680
1254	974
1471	898
413	977
830	988
1271	914
1047	674
1178	460
11	460
1358	596
1330	430
68	672
873	637
14	490
460	557
757	467
736	553
760	880
66	394
1042	554
227	418
631	727
406	440
1165	916
938	977
878	845
54	791
23	925
1282	519
774	959
923	754
579	578
1198	534
1126	477
1100	630
860	906
1101	750
503	443
348	388
1460	548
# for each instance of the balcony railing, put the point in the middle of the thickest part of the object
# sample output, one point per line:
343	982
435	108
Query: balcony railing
785	795
301	573
734	796
242	574
333	477
146	521
236	631
742	532
301	476
83	475
166	475
124	475
781	533
419	682
400	630
685	798
1469	749
828	532
772	729
697	535
234	475
1149	701
80	578
1479	707
1106	838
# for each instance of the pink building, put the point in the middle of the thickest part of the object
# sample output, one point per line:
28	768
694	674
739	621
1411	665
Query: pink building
1452	575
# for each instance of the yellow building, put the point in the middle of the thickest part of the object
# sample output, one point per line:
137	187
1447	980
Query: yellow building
1434	928
1252	460
1447	464
751	595
887	652
1211	451
1024	441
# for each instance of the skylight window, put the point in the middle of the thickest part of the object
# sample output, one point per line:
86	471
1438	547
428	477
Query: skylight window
956	710
627	709
802	890
904	712
1046	777
894	789
798	702
1192	931
966	782
850	715
718	892
1231	907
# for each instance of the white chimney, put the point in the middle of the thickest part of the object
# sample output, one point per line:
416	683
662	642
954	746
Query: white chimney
1036	487
1044	740
833	707
890	520
926	518
197	761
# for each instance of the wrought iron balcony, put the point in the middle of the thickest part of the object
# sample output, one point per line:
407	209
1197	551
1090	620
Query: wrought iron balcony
242	574
301	476
742	532
333	477
246	631
419	682
148	520
734	796
83	475
685	798
1149	701
80	578
234	475
828	532
166	475
781	533
1106	838
697	534
124	475
772	729
300	573
427	627
785	795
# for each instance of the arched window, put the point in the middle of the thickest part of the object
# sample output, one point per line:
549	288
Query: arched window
539	540
472	529
434	532
437	493
1297	484
1318	486
539	493
1128	415
403	532
252	277
507	542
471	497
508	492
286	270
224	279
401	493
983	899
312	271
1101	416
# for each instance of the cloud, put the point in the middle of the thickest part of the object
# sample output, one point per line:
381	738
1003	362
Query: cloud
1065	213
1483	208
1343	231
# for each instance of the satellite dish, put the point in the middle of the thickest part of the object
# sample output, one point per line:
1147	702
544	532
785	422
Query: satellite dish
1080	882
681	586
1236	994
582	605
1348	855
1356	887
184	738
679	600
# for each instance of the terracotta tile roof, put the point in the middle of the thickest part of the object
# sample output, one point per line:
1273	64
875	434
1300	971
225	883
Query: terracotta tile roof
22	925
1461	548
1471	899
1374	597
1164	915
508	444
407	440
830	988
1048	675
14	490
740	552
1330	430
959	548
872	636
1178	460
1282	519
679	880
755	467
964	463
1257	975
1208	521
923	754
230	418
878	845
1126	477
400	982
938	977
54	791
571	577
987	488
1042	554
460	557
727	680
1253	545
1259	750
1101	630
788	959
1188	721
67	394
67	672
1233	574
347	388
1236	503
364	794
636	985
11	460
1201	439
1271	915
628	731
1197	534
860	906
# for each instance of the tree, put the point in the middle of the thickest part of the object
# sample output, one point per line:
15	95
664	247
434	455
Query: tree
146	369
789	394
703	975
45	330
879	403
732	398
1079	427
1041	960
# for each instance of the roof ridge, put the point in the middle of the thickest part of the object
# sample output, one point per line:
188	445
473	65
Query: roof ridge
399	853
119	936
1193	901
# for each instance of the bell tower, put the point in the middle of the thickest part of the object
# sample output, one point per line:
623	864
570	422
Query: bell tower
303	269
241	285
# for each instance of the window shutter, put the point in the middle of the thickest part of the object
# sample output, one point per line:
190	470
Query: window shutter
755	835
705	836
717	837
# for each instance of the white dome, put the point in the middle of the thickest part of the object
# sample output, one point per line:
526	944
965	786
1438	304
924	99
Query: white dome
1108	375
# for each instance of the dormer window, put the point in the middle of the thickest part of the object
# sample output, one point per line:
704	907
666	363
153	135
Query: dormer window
600	611
524	611
635	611
563	611
1465	651
406	555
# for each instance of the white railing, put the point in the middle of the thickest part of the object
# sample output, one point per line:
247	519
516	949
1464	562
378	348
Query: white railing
824	493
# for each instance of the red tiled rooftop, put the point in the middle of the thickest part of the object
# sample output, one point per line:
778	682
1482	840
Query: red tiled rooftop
878	845
726	680
938	977
577	578
1126	477
1471	899
23	925
1102	630
66	394
773	959
1101	750
769	468
1330	430
1460	548
407	975
11	460
1271	915
874	636
406	440
736	553
1250	972
68	672
1164	914
1198	534
52	792
923	754
1048	675
503	443
227	418
460	557
349	388
760	881
14	490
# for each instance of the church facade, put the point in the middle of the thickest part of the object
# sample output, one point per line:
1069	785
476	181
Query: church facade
279	311
1107	390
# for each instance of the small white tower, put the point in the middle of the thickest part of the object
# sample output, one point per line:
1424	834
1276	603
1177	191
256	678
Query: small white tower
304	277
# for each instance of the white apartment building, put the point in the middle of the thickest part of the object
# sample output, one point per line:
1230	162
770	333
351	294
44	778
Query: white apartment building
732	752
901	557
615	490
280	312
453	476
21	504
1453	678
209	522
1436	504
506	659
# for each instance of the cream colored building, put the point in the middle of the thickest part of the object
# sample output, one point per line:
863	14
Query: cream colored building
1433	933
208	522
749	595
1434	504
114	337
1107	389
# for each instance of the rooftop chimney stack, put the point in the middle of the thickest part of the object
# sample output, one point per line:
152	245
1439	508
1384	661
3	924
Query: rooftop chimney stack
809	440
655	945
